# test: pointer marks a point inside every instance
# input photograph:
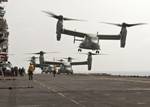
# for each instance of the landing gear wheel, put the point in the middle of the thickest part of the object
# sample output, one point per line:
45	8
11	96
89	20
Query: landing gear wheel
97	52
79	50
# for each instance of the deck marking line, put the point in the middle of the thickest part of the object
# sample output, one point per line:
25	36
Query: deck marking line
61	94
74	101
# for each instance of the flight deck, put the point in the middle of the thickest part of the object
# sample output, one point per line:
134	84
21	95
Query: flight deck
74	91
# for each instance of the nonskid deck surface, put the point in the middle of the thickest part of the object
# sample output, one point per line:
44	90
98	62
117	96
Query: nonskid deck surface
74	91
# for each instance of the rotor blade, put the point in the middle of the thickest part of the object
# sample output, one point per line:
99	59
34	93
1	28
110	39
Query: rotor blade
61	17
36	53
70	19
136	24
52	52
51	14
42	52
125	24
30	53
112	24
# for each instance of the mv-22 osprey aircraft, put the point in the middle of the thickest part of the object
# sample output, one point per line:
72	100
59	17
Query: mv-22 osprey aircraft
65	67
44	67
90	41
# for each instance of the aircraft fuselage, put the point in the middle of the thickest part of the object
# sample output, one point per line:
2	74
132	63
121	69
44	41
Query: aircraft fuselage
88	43
65	68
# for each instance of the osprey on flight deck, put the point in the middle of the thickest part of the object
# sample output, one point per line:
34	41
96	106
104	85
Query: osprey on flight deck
89	39
65	67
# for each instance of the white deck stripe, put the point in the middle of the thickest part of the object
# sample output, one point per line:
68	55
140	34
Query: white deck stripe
61	94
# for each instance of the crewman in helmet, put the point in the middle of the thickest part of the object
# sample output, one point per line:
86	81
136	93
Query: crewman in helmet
30	71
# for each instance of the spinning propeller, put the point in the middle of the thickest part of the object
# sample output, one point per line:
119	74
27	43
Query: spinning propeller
42	52
60	17
125	24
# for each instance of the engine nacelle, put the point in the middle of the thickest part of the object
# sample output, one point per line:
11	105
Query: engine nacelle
41	59
58	36
59	29
123	41
89	61
89	66
123	35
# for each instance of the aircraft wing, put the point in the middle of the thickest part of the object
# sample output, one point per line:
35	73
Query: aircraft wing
79	63
53	63
82	35
73	33
109	37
